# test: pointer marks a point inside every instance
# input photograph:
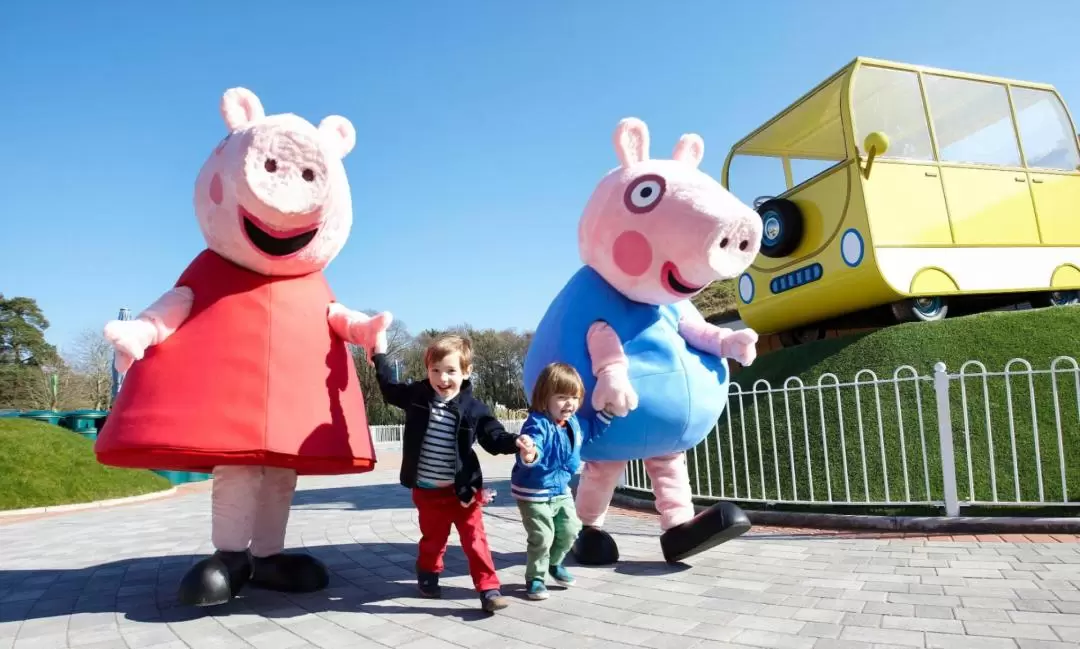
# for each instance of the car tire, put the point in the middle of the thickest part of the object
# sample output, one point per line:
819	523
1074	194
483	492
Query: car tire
782	227
1055	298
801	336
921	309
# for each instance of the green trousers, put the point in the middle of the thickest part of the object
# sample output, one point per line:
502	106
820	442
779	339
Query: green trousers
552	526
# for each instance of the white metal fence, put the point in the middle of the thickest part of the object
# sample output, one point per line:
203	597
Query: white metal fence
969	437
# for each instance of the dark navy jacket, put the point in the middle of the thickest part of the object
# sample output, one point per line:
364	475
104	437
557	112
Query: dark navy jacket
475	424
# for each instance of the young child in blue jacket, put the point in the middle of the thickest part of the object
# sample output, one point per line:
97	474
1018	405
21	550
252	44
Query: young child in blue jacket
540	480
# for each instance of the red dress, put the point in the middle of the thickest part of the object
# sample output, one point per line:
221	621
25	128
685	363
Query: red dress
254	376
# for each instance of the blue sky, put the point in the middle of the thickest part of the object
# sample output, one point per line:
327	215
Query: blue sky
482	126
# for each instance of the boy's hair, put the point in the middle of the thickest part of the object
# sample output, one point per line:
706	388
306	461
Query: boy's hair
556	378
445	345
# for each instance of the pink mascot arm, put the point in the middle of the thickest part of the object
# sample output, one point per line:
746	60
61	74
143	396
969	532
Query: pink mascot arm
358	328
610	366
131	338
720	342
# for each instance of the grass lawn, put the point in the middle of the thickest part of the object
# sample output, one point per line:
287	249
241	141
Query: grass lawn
784	453
718	301
43	465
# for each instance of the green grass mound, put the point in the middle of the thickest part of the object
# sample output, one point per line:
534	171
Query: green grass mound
804	444
43	465
718	302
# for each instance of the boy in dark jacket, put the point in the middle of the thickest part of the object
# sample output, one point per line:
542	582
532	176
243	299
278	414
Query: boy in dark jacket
442	423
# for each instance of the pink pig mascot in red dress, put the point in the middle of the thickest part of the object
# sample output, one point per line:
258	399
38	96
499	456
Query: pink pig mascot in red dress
242	368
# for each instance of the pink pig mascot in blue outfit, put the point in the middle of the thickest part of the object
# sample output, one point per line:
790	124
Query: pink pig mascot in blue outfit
654	234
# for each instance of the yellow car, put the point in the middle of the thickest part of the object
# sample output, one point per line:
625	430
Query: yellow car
907	189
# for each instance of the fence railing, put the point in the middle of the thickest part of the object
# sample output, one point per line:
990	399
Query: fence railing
970	437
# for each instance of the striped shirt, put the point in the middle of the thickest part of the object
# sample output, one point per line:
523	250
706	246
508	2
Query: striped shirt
438	451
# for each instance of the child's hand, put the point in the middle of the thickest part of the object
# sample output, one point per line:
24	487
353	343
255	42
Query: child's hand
528	456
525	443
482	497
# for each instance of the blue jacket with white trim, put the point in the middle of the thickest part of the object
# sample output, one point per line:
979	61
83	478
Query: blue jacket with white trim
558	455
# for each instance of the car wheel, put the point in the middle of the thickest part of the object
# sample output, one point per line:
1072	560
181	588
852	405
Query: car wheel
781	227
920	309
1055	298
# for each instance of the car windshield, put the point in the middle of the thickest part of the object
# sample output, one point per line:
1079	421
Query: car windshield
810	134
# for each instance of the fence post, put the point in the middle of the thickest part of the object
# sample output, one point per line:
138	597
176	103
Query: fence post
945	436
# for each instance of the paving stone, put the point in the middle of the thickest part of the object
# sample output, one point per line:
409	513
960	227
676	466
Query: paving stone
106	578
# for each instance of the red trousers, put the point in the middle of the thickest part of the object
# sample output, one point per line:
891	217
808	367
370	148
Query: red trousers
439	509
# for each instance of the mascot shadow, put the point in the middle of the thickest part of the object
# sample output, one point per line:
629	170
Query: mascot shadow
374	577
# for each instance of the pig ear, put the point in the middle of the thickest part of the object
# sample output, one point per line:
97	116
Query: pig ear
240	107
631	141
689	149
339	134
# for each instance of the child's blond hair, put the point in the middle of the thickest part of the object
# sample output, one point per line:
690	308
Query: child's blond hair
448	344
556	378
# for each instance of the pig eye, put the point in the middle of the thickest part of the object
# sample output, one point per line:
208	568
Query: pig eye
644	193
308	175
270	165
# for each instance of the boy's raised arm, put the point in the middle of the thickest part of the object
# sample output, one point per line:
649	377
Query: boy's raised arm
394	393
493	437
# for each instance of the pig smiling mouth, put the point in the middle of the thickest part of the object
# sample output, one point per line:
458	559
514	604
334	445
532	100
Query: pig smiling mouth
268	243
673	281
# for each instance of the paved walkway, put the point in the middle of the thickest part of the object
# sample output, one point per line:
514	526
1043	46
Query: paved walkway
106	578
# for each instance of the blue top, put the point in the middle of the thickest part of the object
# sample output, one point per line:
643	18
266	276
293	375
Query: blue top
558	455
681	391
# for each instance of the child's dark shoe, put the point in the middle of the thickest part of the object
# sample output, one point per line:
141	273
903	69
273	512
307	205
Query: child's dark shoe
536	590
492	600
560	574
428	583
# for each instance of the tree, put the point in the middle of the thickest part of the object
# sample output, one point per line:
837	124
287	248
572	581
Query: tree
498	366
22	333
91	357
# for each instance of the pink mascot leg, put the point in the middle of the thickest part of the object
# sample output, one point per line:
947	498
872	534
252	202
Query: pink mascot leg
684	533
671	485
593	545
597	485
220	577
271	569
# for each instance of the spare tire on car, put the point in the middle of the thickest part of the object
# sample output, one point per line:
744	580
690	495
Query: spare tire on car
782	227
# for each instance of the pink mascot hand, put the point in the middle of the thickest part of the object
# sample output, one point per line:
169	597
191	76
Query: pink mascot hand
370	332
740	346
360	329
613	391
130	338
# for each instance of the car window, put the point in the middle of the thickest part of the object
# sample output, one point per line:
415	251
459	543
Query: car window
889	101
972	121
1045	131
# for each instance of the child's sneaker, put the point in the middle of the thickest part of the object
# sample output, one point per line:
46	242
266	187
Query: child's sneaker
537	590
560	574
492	600
428	583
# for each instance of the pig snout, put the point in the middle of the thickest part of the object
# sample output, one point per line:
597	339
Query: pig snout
735	242
286	172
